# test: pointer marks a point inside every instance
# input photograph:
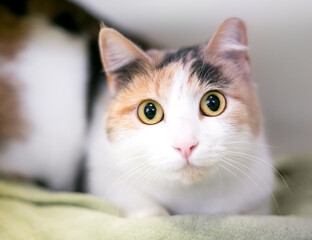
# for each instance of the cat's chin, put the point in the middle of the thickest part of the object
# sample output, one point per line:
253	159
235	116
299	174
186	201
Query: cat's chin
190	174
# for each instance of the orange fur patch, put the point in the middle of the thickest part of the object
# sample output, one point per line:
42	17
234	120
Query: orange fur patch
122	111
12	125
12	31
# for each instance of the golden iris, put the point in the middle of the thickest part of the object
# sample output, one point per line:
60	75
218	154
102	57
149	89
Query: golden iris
212	103
150	112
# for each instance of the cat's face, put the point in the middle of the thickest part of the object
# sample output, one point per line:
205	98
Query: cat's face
181	112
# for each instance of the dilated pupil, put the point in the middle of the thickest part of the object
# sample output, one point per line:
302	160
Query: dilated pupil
213	102
150	110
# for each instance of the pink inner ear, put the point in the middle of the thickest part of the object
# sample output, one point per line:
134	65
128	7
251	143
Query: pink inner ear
117	51
116	57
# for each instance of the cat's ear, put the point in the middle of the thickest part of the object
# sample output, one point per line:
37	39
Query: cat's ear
229	44
117	52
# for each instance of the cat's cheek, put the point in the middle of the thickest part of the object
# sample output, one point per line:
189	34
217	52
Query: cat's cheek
235	118
244	107
117	126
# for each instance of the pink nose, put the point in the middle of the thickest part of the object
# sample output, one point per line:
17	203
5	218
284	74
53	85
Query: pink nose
186	149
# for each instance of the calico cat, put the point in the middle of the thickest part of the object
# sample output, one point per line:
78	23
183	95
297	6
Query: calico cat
50	70
180	131
172	132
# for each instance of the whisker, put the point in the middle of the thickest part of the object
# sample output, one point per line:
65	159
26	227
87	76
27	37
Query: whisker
233	174
244	143
220	176
237	168
124	162
100	167
149	175
125	176
263	163
256	175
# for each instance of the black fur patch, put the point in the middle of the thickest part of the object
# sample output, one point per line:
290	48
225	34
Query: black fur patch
67	21
96	76
182	54
126	72
15	7
207	73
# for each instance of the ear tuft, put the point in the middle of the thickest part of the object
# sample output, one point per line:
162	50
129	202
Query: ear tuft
102	25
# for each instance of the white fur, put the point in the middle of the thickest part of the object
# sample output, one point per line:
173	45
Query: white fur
142	172
51	72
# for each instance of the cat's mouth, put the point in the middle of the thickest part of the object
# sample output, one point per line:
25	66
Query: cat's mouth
190	173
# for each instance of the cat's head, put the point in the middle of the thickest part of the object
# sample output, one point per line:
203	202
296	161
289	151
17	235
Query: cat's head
181	112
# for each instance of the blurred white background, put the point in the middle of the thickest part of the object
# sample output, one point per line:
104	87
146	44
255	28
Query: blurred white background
280	42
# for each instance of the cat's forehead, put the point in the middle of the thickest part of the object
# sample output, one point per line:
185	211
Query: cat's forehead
190	61
182	69
183	55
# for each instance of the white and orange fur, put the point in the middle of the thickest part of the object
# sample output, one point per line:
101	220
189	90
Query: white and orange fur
224	166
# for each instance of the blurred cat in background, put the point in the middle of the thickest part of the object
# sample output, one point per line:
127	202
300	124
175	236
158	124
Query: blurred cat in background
180	131
50	71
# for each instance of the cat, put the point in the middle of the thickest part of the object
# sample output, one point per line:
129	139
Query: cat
176	132
179	131
50	70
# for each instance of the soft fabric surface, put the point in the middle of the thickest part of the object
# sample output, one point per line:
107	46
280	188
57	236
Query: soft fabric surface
28	212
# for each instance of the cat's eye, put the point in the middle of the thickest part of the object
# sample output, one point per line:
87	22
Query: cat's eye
212	103
150	112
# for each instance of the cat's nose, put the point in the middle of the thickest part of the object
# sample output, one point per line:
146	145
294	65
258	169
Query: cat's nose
186	148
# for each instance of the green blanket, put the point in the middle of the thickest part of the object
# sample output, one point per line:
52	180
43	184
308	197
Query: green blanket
28	212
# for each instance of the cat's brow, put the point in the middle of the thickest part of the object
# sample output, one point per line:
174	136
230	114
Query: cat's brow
208	73
183	54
